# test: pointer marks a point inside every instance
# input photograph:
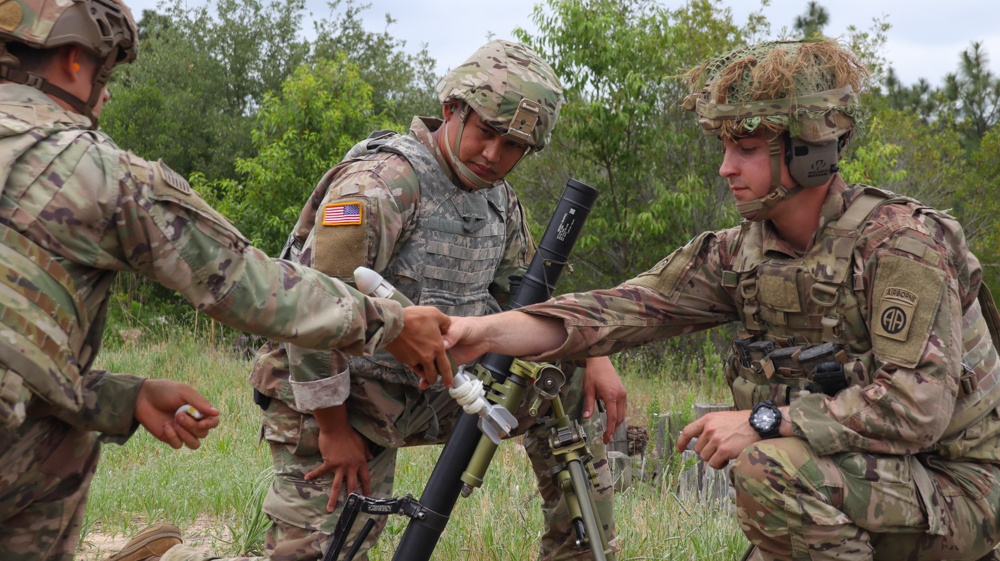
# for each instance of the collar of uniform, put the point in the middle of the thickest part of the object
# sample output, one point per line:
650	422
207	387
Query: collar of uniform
833	207
46	111
771	242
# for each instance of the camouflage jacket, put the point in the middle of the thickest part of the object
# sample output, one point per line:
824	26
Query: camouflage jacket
99	210
385	187
910	398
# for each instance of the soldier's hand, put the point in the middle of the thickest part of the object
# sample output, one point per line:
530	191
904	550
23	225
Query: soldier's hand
345	454
156	410
721	436
601	381
465	339
420	345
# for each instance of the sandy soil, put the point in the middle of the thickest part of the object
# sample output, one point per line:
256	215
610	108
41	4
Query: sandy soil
97	545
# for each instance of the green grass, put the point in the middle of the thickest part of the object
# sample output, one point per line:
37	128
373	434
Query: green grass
214	493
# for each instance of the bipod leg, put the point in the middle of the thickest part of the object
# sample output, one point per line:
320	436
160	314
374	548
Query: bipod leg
360	540
356	504
568	441
588	513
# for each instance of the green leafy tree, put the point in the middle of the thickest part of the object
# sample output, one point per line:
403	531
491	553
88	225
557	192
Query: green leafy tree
322	110
813	21
984	194
622	132
402	83
170	103
975	91
921	98
191	95
901	153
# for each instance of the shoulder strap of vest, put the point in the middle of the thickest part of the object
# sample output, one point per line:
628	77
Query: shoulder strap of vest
380	137
408	147
857	213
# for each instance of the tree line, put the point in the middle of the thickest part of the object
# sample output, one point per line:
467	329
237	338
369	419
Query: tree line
232	96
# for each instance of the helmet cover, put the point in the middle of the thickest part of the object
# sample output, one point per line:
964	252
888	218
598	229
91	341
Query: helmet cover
511	89
99	26
808	88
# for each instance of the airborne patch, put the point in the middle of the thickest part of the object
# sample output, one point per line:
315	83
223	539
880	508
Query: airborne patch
896	313
342	214
901	318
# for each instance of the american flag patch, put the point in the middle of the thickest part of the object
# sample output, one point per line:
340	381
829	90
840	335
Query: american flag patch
342	214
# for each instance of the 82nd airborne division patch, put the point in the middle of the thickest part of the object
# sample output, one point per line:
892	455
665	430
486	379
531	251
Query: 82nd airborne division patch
896	313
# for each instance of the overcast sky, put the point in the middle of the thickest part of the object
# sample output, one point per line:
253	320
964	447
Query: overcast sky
926	39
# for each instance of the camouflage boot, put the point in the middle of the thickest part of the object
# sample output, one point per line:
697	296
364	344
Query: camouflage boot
150	543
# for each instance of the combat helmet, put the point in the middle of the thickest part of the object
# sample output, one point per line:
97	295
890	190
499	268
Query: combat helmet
104	28
804	94
511	89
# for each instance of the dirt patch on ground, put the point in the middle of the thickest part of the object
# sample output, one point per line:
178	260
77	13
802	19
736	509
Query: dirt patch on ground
205	534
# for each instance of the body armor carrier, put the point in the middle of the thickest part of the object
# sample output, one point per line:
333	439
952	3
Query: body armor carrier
43	322
452	253
805	330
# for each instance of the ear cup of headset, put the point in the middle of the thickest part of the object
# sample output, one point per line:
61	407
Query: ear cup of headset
811	165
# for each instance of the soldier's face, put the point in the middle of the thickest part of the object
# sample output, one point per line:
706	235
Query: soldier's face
746	165
483	150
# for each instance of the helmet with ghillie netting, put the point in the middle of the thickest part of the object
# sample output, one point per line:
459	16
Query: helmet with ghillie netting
803	94
809	88
103	28
511	88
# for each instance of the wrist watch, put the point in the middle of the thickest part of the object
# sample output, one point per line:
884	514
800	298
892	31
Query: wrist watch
766	419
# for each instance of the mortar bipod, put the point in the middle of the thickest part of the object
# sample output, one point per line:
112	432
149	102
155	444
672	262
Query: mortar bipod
356	504
573	471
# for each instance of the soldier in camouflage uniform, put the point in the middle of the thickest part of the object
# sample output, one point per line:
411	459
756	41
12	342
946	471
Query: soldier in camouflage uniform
432	213
866	374
75	210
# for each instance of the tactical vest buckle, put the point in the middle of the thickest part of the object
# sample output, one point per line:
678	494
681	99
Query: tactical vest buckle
824	295
969	382
831	328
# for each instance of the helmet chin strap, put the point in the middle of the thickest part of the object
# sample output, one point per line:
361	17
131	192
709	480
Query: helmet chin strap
101	78
759	210
456	163
461	168
85	108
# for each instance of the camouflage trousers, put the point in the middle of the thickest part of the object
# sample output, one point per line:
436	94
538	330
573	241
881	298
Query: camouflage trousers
795	504
46	467
294	503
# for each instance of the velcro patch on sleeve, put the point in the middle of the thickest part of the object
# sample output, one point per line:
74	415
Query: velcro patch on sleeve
173	178
342	214
338	251
665	275
906	297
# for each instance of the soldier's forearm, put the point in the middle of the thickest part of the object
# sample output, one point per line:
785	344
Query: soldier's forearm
518	334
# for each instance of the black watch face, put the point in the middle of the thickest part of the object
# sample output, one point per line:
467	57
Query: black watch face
764	419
